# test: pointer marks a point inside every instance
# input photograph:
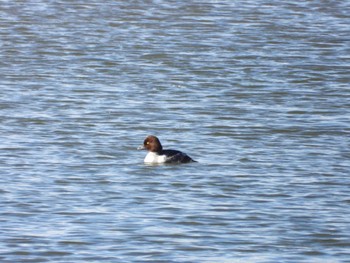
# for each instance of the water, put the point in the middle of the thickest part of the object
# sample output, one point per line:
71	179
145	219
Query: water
256	91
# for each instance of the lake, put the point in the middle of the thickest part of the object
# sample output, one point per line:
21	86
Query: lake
256	91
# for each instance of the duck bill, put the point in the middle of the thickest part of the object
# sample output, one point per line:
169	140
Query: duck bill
141	147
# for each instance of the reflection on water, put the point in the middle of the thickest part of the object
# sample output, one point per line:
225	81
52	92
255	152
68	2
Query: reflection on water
257	92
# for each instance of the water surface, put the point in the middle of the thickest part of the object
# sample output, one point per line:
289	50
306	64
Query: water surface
256	91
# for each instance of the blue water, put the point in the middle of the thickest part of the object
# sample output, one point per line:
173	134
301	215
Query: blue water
256	91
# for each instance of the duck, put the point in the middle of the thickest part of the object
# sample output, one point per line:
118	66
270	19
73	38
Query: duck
156	154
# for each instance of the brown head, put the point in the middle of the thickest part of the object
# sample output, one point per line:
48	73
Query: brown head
152	144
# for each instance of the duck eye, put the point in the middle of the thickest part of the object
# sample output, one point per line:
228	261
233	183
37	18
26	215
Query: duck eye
147	142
